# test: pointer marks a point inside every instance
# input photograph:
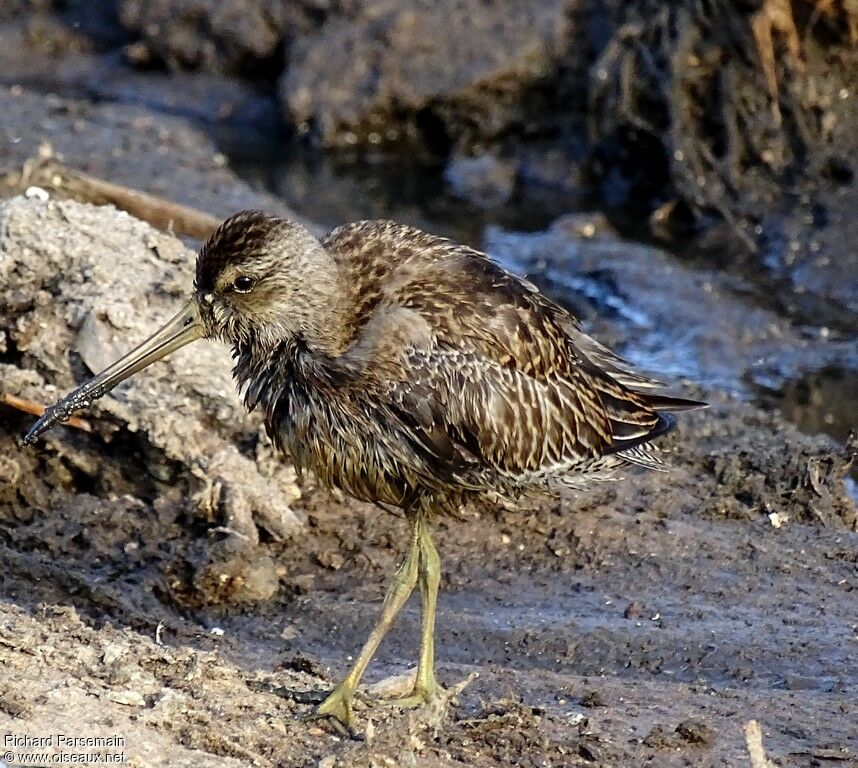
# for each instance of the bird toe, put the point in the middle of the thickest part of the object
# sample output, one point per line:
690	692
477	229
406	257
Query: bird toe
337	710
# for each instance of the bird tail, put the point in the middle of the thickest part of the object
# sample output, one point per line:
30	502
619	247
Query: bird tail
661	403
631	439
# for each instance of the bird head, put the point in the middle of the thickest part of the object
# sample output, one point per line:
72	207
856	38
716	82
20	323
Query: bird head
251	283
260	277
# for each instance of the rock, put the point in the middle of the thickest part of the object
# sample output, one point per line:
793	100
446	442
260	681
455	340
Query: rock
485	180
129	144
13	702
695	732
235	37
46	34
658	738
593	698
440	72
236	580
185	409
10	471
394	686
127	698
692	732
330	559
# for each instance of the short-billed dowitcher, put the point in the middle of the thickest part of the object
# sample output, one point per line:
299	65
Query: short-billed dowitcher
405	370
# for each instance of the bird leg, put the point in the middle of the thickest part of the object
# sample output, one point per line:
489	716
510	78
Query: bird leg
429	575
339	703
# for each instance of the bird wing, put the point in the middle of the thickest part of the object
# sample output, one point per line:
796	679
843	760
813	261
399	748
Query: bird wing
484	370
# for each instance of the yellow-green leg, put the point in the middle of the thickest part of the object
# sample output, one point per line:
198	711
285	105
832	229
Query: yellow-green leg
429	577
339	702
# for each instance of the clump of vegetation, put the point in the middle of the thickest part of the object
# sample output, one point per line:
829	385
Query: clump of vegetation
712	102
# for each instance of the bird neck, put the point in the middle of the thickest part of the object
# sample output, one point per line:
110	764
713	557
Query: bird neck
326	307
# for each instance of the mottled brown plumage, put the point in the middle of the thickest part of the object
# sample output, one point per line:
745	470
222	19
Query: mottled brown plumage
456	377
408	370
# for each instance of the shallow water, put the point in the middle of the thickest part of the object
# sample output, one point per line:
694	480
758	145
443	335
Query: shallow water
330	191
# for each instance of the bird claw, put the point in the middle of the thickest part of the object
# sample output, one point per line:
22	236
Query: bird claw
336	709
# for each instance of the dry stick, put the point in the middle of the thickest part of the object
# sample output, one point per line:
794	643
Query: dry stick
159	212
754	743
36	409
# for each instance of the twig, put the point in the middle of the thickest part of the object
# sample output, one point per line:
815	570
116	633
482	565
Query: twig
36	409
754	743
159	212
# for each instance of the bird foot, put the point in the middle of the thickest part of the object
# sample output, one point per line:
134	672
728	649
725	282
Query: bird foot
431	693
421	695
337	710
433	702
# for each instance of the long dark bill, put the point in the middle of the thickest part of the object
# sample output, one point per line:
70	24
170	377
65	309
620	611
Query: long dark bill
182	329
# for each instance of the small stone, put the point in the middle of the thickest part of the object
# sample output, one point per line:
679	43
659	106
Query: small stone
112	653
10	471
801	683
37	193
138	54
633	610
127	698
394	686
330	559
658	738
486	180
13	703
777	519
695	732
593	699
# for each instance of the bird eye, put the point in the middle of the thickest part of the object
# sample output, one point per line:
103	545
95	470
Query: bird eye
242	284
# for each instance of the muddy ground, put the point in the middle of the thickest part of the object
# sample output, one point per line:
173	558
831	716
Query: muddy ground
168	580
639	623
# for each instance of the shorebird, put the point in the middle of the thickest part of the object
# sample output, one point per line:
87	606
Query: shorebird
406	370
